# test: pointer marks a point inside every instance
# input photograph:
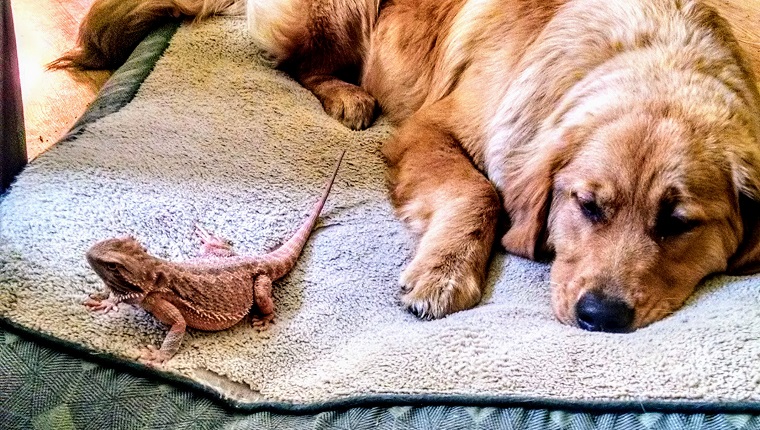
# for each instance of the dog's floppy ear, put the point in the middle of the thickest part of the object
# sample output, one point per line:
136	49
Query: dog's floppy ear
527	194
746	176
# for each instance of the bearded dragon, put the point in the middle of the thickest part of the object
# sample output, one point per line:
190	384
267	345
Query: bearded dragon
209	293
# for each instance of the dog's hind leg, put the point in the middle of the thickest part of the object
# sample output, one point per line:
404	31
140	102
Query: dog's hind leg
322	44
451	205
111	29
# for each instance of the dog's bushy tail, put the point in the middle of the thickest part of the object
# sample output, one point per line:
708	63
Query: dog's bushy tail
112	28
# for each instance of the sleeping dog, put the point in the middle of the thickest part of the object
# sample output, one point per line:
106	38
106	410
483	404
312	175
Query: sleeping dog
620	138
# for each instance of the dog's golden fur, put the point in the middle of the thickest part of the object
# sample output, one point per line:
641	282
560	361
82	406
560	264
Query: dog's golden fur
623	137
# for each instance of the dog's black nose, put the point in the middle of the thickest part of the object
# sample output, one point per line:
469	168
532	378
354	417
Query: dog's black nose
597	312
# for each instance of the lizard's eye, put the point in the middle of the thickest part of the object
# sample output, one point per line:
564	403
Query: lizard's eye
112	266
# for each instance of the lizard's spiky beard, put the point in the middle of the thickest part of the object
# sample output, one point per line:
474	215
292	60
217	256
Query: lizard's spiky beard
121	287
115	280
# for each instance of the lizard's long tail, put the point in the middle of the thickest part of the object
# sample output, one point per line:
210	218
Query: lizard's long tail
284	258
112	28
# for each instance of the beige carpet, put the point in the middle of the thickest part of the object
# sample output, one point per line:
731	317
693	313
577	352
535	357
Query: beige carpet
215	136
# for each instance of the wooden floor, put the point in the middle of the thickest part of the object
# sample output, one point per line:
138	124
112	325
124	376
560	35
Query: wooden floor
54	100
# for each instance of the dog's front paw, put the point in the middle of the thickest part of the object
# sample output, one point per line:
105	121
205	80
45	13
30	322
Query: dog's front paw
435	286
351	105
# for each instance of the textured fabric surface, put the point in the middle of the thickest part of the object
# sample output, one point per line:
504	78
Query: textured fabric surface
41	388
122	85
217	137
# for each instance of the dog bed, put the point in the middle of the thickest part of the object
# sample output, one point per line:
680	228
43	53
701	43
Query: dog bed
214	135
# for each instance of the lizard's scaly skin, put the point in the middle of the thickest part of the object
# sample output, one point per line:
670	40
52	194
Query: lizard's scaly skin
209	293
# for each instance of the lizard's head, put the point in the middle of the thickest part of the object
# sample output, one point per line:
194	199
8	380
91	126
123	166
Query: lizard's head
122	264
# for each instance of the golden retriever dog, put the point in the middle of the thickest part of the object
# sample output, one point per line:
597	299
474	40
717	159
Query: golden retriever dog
619	137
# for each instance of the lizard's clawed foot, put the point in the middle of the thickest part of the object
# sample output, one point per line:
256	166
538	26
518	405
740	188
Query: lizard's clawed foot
212	245
102	306
153	357
262	322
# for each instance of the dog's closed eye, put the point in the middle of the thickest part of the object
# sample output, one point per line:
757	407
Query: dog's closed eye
589	207
673	223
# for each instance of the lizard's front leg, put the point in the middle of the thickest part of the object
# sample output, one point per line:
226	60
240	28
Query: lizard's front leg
262	297
168	314
102	302
212	245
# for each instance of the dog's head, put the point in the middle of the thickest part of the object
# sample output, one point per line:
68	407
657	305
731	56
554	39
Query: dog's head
638	208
